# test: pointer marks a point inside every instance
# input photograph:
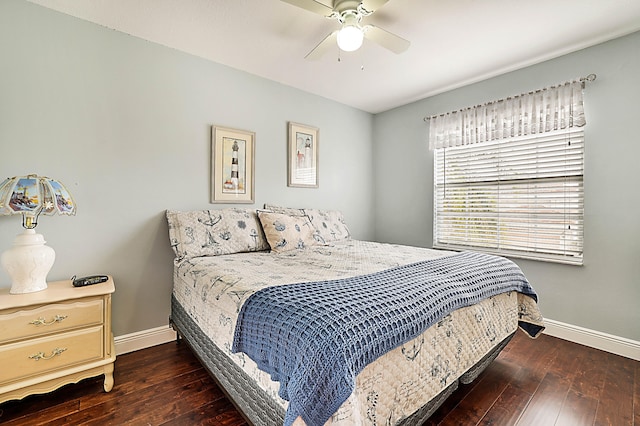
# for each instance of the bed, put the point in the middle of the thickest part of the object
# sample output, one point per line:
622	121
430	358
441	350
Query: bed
229	261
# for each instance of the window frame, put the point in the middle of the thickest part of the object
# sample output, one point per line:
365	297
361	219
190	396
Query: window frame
557	174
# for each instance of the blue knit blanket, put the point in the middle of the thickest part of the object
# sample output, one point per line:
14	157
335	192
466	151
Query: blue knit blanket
314	338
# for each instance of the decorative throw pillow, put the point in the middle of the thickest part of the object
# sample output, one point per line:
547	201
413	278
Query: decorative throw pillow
330	224
214	232
245	231
284	232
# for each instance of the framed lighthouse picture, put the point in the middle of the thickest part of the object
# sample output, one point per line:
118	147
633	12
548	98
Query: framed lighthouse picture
232	165
303	156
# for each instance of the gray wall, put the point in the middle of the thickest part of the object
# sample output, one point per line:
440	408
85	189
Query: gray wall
126	125
602	295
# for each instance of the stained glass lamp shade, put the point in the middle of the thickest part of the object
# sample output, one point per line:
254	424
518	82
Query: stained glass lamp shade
29	260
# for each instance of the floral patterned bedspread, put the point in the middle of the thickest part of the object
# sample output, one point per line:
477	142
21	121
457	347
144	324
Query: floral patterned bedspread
212	290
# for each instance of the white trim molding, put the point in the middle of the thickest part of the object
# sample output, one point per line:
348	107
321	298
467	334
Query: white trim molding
594	339
144	339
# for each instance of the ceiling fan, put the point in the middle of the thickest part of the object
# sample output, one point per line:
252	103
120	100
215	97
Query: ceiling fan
349	37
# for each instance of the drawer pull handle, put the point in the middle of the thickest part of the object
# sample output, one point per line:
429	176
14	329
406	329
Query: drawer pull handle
41	355
42	321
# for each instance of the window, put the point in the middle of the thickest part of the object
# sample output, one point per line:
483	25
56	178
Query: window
508	176
520	196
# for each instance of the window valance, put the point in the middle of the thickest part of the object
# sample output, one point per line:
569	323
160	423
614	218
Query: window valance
552	108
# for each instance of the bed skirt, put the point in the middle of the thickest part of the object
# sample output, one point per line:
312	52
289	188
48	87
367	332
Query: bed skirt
255	405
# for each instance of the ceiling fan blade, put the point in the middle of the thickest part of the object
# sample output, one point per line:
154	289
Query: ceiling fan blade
386	39
311	6
373	5
324	46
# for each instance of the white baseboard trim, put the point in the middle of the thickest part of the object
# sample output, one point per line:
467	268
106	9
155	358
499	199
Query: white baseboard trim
573	333
144	339
594	339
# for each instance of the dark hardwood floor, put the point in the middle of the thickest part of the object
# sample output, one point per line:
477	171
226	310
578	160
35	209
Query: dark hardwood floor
540	382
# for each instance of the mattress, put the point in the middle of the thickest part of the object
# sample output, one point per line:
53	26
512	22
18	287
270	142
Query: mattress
210	291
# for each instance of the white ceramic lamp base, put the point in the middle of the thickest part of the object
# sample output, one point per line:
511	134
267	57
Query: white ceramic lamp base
28	262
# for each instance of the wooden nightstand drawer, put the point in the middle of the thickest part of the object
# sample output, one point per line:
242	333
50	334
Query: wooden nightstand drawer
39	356
53	337
49	319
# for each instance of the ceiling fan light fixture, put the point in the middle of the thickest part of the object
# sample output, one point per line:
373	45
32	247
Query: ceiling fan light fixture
351	35
350	38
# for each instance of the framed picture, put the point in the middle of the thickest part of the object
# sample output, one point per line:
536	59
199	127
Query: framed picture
232	165
303	156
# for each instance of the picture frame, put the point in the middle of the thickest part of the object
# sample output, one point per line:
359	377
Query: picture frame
232	165
302	156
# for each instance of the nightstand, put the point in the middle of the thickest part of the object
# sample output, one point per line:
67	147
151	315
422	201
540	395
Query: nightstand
54	337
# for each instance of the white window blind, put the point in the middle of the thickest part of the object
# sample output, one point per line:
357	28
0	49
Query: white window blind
521	196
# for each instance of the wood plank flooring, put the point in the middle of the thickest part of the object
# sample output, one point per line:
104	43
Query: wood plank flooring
540	382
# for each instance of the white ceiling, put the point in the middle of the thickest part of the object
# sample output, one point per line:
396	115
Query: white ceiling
453	42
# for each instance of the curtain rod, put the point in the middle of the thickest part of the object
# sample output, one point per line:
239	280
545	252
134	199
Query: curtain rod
583	80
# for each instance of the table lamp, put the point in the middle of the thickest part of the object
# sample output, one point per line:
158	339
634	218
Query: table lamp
29	260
